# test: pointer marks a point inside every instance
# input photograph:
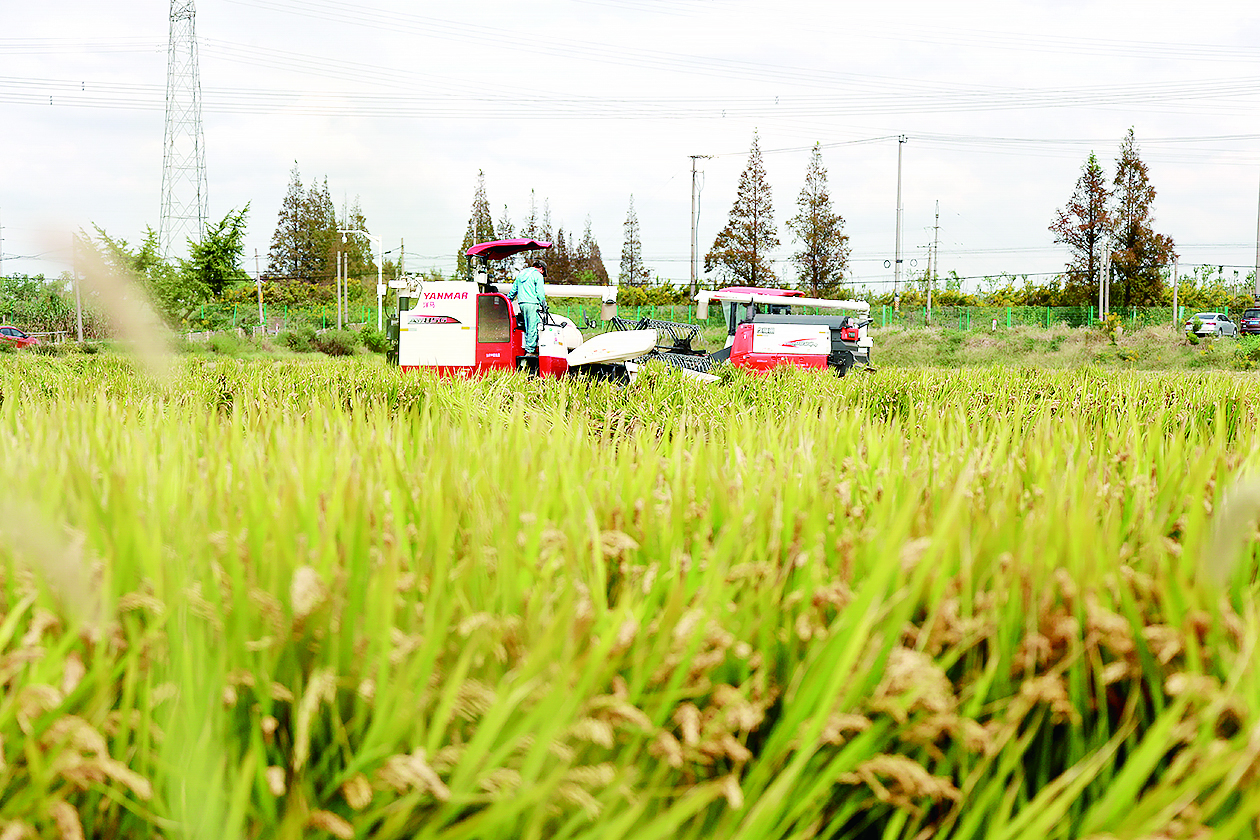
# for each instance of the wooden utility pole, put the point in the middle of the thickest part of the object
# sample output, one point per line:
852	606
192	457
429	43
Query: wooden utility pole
695	212
935	260
262	323
901	141
1256	289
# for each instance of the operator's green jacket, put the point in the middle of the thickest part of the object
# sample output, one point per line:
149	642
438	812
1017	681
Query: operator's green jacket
528	288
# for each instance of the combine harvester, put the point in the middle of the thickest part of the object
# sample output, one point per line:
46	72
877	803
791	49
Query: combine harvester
467	327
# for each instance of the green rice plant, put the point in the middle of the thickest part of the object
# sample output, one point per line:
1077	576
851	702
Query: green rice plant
267	598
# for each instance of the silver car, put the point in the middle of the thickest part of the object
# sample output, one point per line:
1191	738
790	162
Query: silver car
1213	325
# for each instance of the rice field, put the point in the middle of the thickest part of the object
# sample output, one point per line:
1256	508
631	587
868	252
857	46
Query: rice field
306	598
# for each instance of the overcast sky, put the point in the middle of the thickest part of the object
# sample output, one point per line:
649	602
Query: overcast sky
589	101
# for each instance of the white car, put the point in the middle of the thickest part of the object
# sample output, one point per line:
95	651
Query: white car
1213	325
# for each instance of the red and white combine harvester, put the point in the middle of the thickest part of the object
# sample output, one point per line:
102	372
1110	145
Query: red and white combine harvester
466	327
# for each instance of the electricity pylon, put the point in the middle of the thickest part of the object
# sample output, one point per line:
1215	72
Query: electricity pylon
184	149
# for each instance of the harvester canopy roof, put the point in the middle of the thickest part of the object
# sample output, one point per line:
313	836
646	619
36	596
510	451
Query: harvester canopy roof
757	290
501	248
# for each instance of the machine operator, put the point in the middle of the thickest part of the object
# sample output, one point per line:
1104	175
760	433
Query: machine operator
527	291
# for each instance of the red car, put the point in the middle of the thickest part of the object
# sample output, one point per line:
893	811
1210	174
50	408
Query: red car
14	336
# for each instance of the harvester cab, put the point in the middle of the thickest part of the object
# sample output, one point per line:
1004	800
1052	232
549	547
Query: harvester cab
767	328
470	326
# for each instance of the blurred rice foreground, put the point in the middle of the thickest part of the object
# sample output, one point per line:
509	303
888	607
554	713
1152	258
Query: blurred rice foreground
309	598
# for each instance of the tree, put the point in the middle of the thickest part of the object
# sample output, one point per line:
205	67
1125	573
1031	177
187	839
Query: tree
741	251
480	225
319	236
824	256
506	267
1139	253
305	242
360	261
562	260
215	261
174	293
284	258
1085	226
633	272
590	264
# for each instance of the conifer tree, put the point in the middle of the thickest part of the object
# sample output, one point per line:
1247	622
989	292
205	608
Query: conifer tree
480	225
561	259
633	272
306	240
1085	226
591	267
284	256
741	251
320	236
507	267
1139	254
823	259
360	260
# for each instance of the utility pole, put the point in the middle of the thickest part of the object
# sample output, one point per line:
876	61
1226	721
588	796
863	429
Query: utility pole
935	261
339	323
1101	301
1256	291
901	141
78	298
695	212
262	323
1176	317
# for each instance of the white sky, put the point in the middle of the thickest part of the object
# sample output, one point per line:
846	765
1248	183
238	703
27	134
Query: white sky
589	101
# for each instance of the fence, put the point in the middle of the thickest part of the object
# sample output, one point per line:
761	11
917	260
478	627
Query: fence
999	317
214	317
948	317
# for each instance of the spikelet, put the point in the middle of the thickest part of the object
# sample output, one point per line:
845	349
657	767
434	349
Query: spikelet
913	681
595	731
276	782
357	791
320	689
580	796
616	543
67	821
402	772
306	592
501	780
332	823
16	830
732	791
473	699
666	746
687	717
906	779
839	725
1051	690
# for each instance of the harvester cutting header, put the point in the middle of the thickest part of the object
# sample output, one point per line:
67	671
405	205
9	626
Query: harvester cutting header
470	326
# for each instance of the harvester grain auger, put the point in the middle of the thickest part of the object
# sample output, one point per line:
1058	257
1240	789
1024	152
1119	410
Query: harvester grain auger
470	326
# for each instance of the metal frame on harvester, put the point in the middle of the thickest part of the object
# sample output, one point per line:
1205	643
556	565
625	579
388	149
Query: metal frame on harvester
763	331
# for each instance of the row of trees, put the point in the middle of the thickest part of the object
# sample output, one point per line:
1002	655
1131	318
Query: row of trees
307	238
570	259
1206	288
1111	220
301	262
741	252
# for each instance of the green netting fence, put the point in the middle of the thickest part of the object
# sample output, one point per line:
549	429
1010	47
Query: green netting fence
948	317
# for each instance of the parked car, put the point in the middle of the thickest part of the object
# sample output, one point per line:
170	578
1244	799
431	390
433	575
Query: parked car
1213	325
1249	324
13	335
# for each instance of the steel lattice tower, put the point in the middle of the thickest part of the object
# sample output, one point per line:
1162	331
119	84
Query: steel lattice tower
184	149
